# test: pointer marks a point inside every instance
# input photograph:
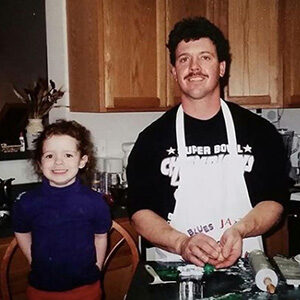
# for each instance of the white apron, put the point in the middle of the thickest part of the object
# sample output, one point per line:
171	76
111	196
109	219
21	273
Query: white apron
211	196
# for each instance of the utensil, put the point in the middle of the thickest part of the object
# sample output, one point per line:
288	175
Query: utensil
289	268
5	192
265	277
5	201
157	279
297	258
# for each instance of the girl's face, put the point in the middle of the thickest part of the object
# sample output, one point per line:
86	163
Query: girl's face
61	160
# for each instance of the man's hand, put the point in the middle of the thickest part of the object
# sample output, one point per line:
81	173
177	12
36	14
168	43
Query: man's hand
231	243
200	249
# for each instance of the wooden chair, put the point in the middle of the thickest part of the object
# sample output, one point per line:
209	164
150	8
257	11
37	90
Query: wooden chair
14	272
121	261
122	255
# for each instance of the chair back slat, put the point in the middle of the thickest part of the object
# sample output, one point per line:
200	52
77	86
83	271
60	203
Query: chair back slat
13	246
4	269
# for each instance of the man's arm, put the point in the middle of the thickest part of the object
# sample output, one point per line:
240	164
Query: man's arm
258	221
24	241
197	249
100	244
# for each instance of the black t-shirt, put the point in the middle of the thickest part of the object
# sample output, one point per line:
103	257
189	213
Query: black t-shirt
150	173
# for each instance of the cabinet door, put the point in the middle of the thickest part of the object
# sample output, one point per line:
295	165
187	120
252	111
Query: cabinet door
116	55
291	53
255	72
134	54
85	55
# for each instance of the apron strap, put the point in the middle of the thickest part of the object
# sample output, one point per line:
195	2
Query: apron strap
180	133
230	131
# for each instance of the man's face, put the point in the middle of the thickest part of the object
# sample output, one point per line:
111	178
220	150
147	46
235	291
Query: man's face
197	69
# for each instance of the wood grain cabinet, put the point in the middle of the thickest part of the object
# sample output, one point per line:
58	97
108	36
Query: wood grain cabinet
291	52
264	38
116	55
118	60
255	72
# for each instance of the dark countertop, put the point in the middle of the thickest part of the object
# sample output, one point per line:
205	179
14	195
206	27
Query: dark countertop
236	282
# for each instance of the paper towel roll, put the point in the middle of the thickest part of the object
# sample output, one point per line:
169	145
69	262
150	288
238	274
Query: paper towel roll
262	270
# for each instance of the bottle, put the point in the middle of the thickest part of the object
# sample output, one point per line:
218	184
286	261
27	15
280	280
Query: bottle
190	283
22	142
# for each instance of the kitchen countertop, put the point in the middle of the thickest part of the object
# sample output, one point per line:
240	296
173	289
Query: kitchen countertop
236	282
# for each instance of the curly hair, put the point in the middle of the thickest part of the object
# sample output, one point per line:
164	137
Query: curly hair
194	29
84	146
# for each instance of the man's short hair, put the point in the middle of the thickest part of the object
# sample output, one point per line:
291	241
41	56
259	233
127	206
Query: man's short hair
191	29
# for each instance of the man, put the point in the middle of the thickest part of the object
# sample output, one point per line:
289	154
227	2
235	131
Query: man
208	177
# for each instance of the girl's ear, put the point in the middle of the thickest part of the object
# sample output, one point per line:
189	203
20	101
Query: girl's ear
84	159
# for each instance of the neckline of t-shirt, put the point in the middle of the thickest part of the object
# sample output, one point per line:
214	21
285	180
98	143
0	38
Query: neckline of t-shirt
218	116
60	190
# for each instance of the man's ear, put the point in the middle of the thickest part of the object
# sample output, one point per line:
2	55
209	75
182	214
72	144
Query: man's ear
83	161
174	73
222	68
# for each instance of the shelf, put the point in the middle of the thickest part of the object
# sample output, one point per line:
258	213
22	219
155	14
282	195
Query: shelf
15	155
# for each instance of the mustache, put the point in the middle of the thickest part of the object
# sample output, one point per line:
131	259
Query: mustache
191	74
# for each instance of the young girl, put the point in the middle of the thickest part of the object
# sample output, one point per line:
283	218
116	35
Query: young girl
62	225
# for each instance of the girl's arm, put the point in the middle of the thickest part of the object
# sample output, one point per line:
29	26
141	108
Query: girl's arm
24	241
100	244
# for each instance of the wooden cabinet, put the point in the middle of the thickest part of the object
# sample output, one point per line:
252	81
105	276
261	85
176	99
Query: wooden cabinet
291	53
116	55
264	39
118	60
255	72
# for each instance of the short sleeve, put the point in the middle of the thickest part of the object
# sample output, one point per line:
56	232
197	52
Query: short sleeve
142	176
102	217
20	219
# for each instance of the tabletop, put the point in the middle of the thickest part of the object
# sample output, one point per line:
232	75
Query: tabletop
233	283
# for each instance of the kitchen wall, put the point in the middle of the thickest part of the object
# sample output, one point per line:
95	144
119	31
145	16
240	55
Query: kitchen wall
110	130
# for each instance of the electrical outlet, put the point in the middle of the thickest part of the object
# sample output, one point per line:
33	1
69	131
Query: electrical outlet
100	146
271	115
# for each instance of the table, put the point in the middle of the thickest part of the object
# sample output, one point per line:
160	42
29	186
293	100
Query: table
236	282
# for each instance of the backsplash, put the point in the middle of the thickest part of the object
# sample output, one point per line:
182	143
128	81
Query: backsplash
113	129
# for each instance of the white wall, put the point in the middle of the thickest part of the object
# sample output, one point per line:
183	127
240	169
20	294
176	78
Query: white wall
109	130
